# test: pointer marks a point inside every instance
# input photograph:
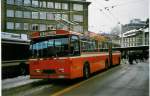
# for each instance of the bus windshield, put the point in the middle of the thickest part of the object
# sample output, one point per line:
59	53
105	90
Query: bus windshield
50	47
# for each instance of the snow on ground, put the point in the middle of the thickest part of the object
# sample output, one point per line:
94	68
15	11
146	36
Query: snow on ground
16	82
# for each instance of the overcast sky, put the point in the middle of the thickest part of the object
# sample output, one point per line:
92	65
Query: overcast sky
123	11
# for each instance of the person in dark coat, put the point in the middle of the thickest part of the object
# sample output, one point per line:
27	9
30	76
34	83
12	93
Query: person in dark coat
130	57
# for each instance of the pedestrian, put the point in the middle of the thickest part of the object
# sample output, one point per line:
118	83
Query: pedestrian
124	57
130	58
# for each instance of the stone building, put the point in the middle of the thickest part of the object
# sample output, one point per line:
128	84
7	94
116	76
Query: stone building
134	24
135	37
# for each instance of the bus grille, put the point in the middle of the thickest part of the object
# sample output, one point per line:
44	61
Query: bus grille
49	71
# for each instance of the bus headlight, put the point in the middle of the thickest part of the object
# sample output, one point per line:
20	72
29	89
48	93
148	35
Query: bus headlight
38	70
61	70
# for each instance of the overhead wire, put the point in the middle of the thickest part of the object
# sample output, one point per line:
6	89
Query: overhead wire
109	15
108	8
122	4
102	11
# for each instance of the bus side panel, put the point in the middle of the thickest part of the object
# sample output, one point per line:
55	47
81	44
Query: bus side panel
116	57
78	64
96	63
77	68
101	62
92	62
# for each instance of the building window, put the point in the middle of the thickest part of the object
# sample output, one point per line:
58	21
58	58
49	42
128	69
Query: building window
65	16
64	6
50	16
35	27
35	3
18	26
78	18
27	14
10	25
42	4
10	1
134	39
78	7
18	14
18	2
78	28
42	27
10	13
58	5
42	15
26	26
50	5
57	16
35	15
130	39
27	2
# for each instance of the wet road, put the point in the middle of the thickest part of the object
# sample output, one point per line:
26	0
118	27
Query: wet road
131	80
123	80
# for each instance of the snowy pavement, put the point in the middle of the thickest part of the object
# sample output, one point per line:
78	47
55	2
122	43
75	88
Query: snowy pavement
18	81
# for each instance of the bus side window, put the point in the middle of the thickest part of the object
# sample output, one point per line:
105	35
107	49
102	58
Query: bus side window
75	46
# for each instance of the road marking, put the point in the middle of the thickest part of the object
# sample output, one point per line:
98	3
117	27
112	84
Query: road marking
82	82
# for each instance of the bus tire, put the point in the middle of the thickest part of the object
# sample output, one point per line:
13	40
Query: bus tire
86	71
106	64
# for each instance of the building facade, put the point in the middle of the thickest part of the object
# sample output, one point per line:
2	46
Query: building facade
135	37
25	16
134	24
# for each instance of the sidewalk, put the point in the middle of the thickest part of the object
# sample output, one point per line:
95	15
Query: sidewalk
17	82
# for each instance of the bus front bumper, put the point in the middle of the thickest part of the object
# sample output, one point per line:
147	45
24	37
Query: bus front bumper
52	76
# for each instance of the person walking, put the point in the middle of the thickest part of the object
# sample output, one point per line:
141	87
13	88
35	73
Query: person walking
130	57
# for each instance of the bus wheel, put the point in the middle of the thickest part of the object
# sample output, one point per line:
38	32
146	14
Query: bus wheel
86	71
106	64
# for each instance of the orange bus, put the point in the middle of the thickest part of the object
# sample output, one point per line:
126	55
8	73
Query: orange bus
68	55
